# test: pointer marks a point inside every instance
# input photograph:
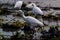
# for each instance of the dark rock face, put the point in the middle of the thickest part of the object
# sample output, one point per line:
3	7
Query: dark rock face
8	28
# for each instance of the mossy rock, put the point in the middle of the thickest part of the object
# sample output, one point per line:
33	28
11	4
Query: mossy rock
1	20
18	24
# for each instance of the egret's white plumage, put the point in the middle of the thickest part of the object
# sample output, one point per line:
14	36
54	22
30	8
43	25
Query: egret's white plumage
30	19
29	5
35	9
18	4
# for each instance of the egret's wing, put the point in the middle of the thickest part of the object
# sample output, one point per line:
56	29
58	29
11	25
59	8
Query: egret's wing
29	5
34	21
37	10
18	4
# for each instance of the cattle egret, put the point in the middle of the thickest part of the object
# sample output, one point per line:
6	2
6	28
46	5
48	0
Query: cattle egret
29	19
21	5
35	9
18	4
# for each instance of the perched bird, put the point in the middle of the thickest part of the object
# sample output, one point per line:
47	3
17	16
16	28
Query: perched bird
18	4
35	9
31	20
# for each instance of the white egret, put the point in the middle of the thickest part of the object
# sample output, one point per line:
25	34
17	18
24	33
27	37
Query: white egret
18	4
35	9
30	20
21	5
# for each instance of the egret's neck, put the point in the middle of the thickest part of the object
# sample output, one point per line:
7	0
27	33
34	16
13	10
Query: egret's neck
23	16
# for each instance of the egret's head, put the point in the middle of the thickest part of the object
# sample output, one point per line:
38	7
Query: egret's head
33	5
20	12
